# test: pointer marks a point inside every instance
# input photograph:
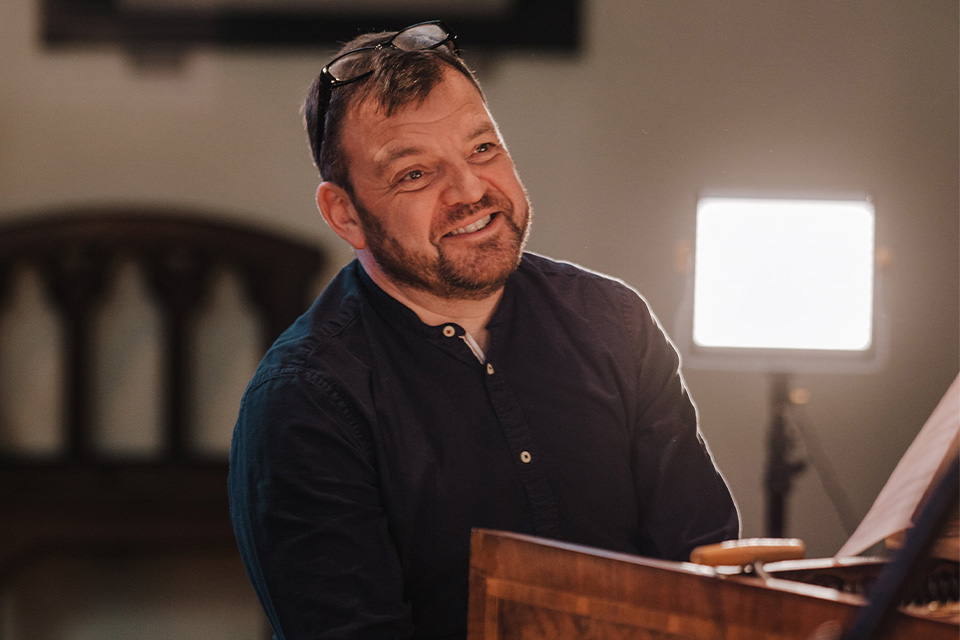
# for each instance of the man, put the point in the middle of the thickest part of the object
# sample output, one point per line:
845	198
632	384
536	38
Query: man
446	380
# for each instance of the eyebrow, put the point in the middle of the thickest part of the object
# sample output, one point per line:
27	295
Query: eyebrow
403	152
397	154
483	129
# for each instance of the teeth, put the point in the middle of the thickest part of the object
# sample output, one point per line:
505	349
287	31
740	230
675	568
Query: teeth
476	226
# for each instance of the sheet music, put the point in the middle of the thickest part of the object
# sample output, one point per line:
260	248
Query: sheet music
894	508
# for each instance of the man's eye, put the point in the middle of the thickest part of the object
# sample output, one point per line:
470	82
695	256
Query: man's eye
484	147
413	180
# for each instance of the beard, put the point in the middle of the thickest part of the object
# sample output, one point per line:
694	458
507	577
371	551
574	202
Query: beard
459	275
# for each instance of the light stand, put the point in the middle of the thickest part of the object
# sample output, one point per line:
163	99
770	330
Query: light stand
783	284
781	466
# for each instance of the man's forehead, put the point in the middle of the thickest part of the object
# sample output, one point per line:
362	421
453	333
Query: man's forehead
454	103
453	111
402	146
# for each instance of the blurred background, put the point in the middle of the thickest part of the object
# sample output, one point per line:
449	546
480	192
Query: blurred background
615	139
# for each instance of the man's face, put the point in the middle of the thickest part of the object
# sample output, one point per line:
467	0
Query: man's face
440	203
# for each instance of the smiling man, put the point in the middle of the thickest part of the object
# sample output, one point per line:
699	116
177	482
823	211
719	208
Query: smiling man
432	205
446	379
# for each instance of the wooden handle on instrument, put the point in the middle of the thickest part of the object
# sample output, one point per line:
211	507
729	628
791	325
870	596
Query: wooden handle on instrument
748	551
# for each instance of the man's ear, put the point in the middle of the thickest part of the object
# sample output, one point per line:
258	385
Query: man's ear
337	209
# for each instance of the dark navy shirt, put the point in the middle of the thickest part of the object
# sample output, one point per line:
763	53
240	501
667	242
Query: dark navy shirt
369	444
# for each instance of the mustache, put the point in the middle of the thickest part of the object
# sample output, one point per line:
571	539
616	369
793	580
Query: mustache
458	212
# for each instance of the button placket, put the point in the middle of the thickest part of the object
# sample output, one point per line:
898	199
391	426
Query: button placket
543	502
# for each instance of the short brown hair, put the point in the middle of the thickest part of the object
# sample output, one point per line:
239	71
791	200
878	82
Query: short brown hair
399	78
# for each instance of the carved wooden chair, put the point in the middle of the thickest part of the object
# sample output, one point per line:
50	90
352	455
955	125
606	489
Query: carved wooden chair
79	499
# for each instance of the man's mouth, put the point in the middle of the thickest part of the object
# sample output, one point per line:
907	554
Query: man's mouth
476	226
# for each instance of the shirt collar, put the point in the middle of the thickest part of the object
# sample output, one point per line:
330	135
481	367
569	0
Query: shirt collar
403	316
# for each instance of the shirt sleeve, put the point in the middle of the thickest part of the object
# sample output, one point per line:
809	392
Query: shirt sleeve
308	517
684	499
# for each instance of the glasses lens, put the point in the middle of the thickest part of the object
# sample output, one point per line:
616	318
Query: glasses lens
423	36
356	64
350	65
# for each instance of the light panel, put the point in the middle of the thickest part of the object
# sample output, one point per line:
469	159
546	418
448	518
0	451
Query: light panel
784	274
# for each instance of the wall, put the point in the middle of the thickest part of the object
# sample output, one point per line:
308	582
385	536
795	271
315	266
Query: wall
666	100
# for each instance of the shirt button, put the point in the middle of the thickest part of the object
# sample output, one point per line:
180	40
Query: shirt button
525	457
449	331
489	369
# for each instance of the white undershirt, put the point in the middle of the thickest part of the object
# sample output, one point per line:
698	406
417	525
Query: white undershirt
474	347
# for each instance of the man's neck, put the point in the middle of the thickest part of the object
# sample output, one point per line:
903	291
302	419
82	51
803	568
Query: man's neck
472	315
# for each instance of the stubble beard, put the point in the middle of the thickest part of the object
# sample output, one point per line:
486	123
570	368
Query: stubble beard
473	276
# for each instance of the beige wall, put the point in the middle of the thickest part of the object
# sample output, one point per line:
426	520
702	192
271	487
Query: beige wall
666	100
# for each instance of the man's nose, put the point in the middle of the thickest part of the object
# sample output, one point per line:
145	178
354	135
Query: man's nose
464	184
